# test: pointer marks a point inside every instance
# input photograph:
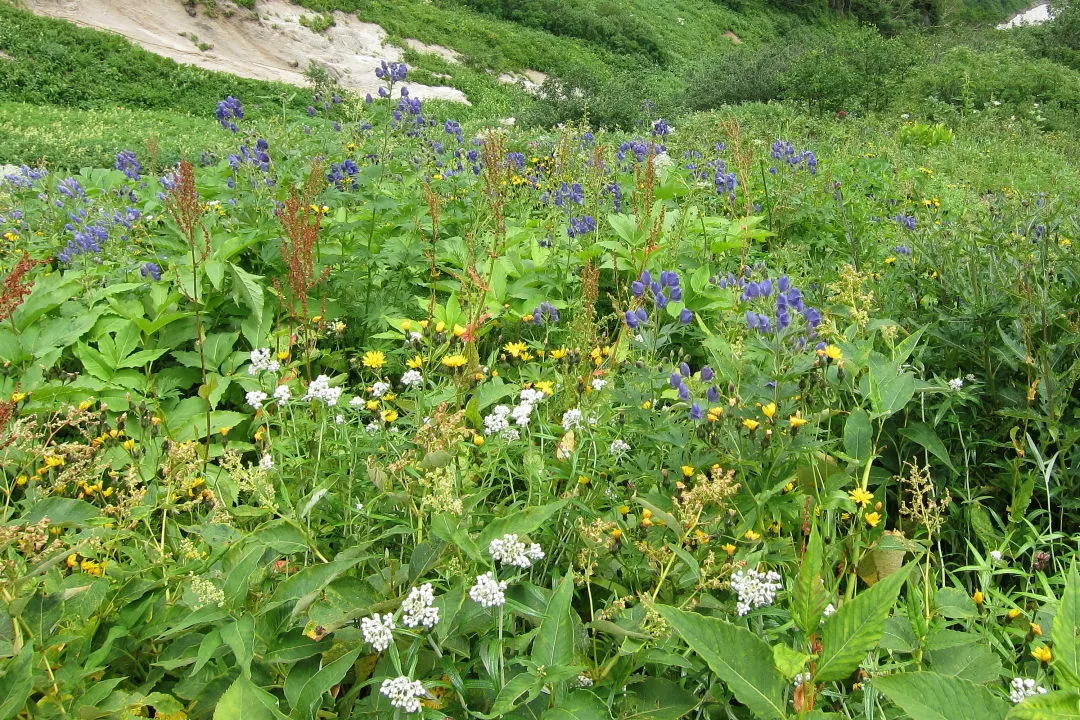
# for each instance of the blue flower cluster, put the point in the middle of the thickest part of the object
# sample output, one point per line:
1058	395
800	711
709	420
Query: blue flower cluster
678	382
641	149
391	72
343	175
784	151
86	237
127	163
571	192
150	270
788	300
907	221
70	188
662	291
615	190
25	177
661	129
228	112
545	311
452	127
581	225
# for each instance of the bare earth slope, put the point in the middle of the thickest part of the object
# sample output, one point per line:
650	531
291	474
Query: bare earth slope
268	44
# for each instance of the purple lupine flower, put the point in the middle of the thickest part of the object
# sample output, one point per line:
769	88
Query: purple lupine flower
127	163
70	187
632	321
712	394
684	370
661	301
686	316
151	270
684	392
707	373
228	111
676	293
391	72
902	250
675	380
581	225
637	288
660	128
696	412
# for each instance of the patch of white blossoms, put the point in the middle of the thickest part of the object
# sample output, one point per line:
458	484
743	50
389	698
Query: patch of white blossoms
418	608
412	378
380	388
508	550
598	384
618	448
320	389
262	360
488	591
266	462
378	630
403	693
498	423
756	589
571	419
956	384
282	393
256	398
1022	688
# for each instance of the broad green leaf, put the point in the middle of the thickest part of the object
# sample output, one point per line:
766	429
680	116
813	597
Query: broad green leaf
789	662
659	699
580	705
246	701
62	511
954	604
737	656
521	522
930	696
925	436
856	628
247	288
554	643
1060	705
857	435
311	580
808	601
521	688
240	637
1066	632
16	682
311	692
94	362
891	392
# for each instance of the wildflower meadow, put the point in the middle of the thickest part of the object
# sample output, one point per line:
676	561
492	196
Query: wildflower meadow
370	412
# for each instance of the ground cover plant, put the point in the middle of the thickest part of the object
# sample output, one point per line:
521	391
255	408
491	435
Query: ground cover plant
369	414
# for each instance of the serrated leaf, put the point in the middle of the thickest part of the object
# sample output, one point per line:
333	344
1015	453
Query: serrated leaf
930	696
246	701
659	699
789	662
737	656
975	662
1066	632
856	628
809	600
247	288
580	705
954	604
554	642
1060	705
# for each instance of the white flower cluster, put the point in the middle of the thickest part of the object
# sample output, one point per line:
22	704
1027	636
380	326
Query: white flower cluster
320	389
256	398
404	693
956	384
1022	688
508	550
356	401
584	681
282	393
262	361
498	423
598	384
571	419
756	589
618	448
266	462
380	388
418	608
378	630
488	591
801	678
412	378
829	610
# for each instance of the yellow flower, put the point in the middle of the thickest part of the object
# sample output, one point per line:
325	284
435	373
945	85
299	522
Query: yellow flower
751	535
415	362
72	560
317	319
406	325
559	353
729	549
478	440
796	421
454	361
687	470
977	596
526	318
890	260
714	414
389	415
545	386
372	405
283	355
861	497
440	326
769	410
647	405
1013	613
583	480
18	397
128	444
515	348
616	533
1036	629
85	405
624	509
750	424
21	480
374	359
458	331
1042	654
833	353
872	519
225	431
53	461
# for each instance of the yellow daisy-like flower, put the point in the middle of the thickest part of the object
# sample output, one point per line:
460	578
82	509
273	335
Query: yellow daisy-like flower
624	509
751	535
714	414
729	548
373	359
861	497
769	410
890	260
454	361
1042	654
687	470
440	327
750	424
389	415
559	354
1036	629
1013	613
478	440
515	348
977	596
872	519
796	421
406	325
372	405
415	362
833	353
545	386
458	331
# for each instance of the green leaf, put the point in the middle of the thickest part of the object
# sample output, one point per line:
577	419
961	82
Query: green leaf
890	392
659	699
247	288
17	682
925	436
240	637
789	662
94	362
580	705
856	628
311	580
62	511
809	600
975	662
954	604
857	436
1060	705
523	684
522	522
312	690
246	701
1066	632
554	643
930	696
737	656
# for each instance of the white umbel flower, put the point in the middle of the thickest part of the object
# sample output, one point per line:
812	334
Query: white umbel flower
378	630
756	589
380	388
418	609
256	398
403	693
488	591
412	378
618	448
571	419
262	361
1022	688
282	393
320	389
266	462
598	384
956	384
508	550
